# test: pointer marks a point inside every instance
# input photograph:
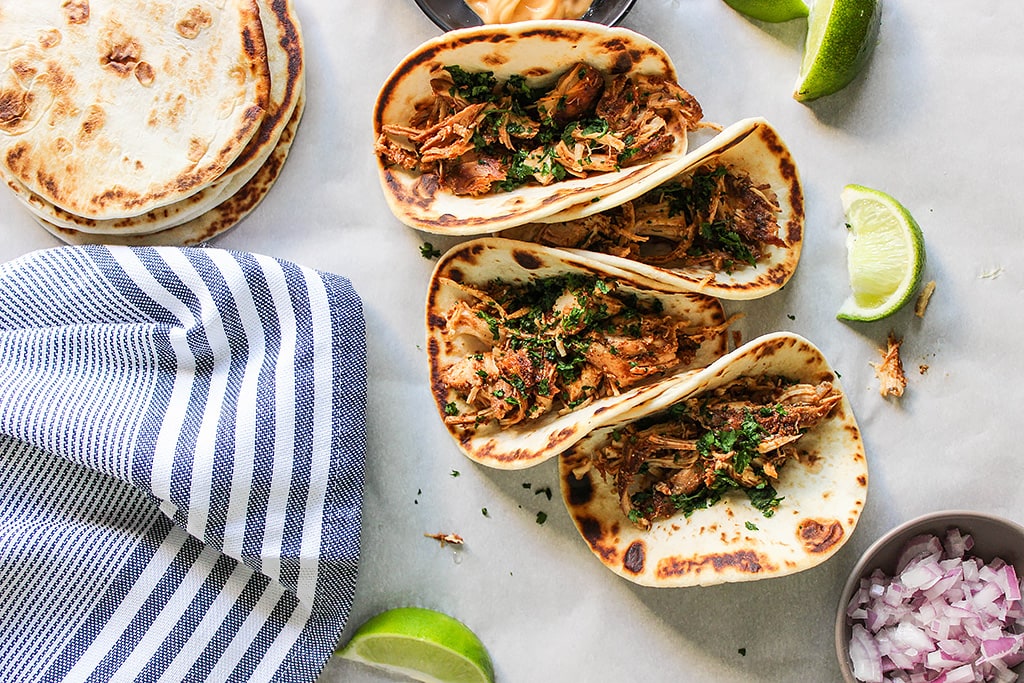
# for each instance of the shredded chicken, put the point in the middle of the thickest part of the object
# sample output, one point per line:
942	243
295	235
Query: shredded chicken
587	122
715	218
737	436
555	345
445	539
890	371
924	298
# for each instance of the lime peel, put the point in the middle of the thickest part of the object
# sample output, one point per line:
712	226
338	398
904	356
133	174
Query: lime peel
421	644
840	36
773	11
885	254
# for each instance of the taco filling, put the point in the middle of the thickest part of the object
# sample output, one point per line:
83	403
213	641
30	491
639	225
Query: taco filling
736	437
556	344
478	135
716	218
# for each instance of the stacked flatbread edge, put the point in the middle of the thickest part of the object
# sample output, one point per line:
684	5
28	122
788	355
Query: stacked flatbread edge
155	124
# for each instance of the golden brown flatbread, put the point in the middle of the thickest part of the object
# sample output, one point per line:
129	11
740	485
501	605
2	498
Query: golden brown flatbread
113	108
214	221
285	58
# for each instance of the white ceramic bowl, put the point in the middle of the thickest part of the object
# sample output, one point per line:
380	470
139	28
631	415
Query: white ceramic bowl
993	537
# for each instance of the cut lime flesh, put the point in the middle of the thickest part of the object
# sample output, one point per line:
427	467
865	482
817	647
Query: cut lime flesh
840	36
423	645
885	254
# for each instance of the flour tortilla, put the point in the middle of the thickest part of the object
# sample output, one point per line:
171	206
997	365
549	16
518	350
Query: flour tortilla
114	108
732	541
213	222
541	51
285	58
529	443
752	146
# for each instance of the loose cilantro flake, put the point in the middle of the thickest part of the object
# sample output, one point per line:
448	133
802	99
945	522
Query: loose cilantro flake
428	251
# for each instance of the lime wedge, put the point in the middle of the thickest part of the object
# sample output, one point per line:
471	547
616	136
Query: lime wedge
840	36
770	10
421	644
884	254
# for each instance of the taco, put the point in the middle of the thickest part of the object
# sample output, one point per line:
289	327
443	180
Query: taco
726	220
490	127
749	469
530	347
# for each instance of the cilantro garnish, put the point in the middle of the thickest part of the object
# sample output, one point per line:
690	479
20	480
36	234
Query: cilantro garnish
428	251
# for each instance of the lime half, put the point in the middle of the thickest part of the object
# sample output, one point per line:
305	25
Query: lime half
884	254
840	36
421	644
770	10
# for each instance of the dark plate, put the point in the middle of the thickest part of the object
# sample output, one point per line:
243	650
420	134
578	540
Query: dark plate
452	14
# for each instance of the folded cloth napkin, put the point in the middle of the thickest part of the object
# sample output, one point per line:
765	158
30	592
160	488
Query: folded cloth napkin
182	450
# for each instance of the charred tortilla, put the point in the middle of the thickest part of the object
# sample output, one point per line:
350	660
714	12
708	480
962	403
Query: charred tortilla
726	220
286	64
490	127
239	203
818	493
530	347
115	108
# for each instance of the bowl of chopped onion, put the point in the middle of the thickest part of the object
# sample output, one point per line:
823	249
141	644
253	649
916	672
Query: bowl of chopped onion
937	599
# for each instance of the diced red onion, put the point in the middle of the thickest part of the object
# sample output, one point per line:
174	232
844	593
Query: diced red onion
945	617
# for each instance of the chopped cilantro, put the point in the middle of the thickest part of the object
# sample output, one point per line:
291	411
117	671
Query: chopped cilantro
764	498
477	86
542	517
721	235
428	251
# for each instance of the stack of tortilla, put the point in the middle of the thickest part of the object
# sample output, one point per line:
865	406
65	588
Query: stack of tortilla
160	123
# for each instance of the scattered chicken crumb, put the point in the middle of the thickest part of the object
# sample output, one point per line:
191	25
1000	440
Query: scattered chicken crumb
890	370
922	368
445	539
923	298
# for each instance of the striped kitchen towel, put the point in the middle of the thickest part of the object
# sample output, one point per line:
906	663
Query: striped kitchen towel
182	450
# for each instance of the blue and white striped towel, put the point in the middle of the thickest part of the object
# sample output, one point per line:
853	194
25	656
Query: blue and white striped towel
182	450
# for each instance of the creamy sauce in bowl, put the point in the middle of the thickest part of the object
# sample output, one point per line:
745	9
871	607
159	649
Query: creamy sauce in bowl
507	11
